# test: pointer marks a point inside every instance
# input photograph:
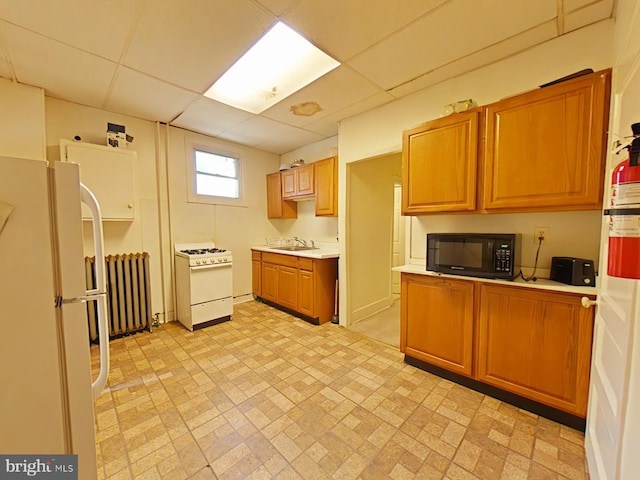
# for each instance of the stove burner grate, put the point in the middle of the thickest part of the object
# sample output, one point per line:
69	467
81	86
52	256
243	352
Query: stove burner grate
202	251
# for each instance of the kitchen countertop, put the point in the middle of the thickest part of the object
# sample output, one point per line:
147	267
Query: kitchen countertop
541	283
324	250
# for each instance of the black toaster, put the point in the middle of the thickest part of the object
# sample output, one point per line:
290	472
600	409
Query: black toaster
573	271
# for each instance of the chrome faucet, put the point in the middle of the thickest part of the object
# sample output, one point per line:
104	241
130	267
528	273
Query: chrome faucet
300	241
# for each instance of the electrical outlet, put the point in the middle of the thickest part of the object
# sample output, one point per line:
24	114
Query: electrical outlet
540	232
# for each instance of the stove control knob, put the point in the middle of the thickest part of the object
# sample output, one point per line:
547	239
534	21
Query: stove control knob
219	259
197	262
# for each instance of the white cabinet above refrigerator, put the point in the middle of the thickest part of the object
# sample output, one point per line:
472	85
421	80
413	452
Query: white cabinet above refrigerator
109	173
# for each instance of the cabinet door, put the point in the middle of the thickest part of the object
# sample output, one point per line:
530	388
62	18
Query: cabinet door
256	278
304	180
109	173
326	187
289	184
269	281
276	206
306	293
437	321
288	287
545	150
536	344
439	165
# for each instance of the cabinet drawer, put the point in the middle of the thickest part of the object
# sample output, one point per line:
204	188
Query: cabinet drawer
305	264
256	255
278	259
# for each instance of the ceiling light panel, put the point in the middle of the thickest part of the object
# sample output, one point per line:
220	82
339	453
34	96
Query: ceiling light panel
279	64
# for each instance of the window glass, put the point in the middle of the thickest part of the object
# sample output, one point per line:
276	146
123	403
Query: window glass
216	175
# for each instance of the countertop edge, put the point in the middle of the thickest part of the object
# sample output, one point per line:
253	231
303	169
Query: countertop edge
540	284
319	254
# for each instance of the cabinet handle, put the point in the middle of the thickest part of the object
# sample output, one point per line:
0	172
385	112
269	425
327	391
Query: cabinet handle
587	302
130	205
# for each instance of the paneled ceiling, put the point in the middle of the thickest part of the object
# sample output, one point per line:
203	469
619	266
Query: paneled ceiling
154	59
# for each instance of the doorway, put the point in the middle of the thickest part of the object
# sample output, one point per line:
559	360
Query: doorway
372	232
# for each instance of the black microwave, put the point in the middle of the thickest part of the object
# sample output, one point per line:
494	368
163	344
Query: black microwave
487	255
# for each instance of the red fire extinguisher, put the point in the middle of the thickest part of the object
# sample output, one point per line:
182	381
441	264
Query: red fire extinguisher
624	214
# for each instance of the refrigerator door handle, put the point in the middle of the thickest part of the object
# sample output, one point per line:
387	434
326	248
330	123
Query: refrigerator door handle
59	301
101	281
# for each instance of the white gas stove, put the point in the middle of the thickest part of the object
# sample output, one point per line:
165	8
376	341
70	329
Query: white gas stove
203	253
204	284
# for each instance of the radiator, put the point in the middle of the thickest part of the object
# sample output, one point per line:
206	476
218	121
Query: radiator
128	294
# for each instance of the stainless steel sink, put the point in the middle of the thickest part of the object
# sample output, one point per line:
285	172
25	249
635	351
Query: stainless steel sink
294	248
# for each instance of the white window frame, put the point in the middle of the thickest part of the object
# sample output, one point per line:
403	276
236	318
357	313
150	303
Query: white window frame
216	149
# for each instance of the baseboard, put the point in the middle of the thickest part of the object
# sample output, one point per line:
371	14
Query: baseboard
243	298
371	309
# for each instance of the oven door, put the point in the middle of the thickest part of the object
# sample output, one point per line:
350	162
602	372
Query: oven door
211	282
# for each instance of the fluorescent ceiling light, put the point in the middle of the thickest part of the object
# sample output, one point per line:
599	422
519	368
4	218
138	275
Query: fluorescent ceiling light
279	64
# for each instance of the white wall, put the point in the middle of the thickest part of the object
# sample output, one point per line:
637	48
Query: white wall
164	216
234	228
379	132
66	120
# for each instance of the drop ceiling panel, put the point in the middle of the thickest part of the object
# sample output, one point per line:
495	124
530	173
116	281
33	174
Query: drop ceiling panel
277	7
571	5
190	44
449	33
64	72
210	117
145	97
5	63
266	134
486	56
587	15
335	90
345	28
328	126
96	27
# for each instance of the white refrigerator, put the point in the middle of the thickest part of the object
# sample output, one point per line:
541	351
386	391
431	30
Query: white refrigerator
46	388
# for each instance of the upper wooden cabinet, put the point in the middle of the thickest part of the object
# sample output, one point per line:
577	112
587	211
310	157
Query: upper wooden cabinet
439	165
545	150
326	187
277	207
298	182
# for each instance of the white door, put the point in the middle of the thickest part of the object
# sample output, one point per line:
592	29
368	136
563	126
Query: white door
613	420
398	237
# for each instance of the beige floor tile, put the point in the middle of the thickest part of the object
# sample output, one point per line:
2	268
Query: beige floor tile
271	396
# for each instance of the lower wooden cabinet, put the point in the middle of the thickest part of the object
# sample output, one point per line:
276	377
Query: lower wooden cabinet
256	273
301	285
437	324
287	287
269	273
536	344
525	341
306	290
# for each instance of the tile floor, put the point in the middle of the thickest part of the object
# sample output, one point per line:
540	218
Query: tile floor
271	396
383	326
